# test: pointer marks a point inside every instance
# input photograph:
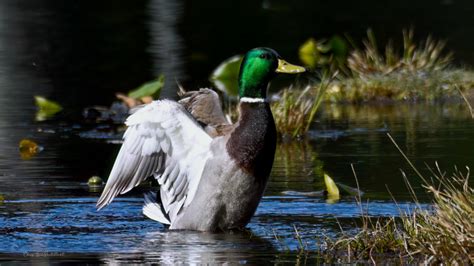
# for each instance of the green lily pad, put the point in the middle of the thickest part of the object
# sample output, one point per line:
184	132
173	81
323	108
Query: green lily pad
46	108
225	76
152	89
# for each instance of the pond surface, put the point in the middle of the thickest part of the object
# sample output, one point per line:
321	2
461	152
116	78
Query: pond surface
81	53
49	210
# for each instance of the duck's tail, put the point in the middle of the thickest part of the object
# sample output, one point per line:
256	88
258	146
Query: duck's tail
153	210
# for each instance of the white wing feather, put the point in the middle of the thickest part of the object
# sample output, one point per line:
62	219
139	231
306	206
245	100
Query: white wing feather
163	140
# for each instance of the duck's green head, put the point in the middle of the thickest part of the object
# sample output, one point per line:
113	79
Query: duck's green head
258	67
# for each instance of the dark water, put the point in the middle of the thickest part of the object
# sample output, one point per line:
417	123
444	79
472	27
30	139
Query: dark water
81	52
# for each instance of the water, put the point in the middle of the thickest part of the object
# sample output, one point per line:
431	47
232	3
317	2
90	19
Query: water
81	53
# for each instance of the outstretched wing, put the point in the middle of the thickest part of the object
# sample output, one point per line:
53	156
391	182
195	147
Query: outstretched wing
205	106
163	140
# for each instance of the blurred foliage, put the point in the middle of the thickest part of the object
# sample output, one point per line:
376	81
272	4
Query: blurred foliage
225	76
95	184
46	108
28	149
144	94
95	181
327	54
152	89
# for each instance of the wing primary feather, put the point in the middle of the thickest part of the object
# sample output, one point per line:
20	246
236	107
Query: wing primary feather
152	209
165	141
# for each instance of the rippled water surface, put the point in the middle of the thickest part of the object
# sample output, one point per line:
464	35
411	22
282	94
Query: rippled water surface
81	53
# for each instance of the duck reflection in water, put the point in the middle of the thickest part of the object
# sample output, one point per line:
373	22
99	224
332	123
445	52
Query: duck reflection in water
191	247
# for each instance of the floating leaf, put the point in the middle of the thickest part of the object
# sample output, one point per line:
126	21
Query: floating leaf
95	184
95	181
225	76
28	149
331	187
46	108
152	88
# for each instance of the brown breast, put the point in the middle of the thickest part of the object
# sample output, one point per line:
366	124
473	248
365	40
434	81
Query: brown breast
252	143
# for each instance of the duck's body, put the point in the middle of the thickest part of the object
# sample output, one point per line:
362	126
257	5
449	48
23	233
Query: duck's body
212	174
233	182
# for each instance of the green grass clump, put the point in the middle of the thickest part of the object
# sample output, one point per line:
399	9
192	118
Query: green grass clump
444	233
295	109
447	232
426	86
415	58
418	71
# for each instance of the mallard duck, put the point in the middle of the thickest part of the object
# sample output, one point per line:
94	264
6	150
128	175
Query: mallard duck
212	174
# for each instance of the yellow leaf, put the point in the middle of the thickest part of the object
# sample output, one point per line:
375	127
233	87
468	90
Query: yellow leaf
46	108
331	186
28	149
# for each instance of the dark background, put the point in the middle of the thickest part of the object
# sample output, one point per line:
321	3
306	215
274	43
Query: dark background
82	51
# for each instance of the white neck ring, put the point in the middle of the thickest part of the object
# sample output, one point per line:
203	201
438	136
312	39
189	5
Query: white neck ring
252	100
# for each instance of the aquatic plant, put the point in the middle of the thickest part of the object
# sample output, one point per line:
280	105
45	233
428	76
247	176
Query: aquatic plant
427	86
326	54
419	71
226	74
151	88
28	149
95	181
46	108
145	93
427	56
294	109
444	233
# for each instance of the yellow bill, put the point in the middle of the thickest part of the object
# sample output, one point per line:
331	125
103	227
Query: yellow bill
285	67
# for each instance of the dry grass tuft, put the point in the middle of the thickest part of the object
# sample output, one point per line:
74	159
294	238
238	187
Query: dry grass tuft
442	234
419	71
294	109
398	86
427	56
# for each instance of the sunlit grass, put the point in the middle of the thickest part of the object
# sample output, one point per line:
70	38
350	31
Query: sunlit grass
294	109
441	234
444	233
417	71
414	58
423	86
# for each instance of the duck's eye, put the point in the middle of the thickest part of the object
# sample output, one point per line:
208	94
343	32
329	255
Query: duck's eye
264	56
